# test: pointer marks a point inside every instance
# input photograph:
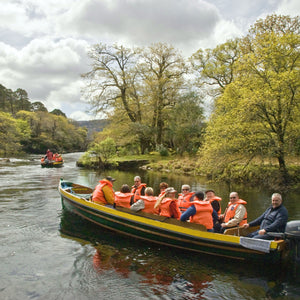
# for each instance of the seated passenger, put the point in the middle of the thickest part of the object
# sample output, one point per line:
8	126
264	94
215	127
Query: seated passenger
274	219
104	193
214	200
201	212
235	213
162	188
146	203
137	189
185	198
167	204
123	197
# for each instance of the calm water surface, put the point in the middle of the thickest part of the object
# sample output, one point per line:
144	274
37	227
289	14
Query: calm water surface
49	254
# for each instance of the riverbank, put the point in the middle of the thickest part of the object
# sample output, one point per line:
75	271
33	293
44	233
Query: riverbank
266	174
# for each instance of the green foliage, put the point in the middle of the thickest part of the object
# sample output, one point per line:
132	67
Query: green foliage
104	150
259	111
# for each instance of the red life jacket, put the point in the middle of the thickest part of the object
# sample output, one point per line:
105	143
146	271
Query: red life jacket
123	199
149	202
137	191
203	214
98	195
184	201
164	209
231	209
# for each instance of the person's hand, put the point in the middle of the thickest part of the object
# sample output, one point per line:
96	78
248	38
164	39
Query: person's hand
246	225
223	225
262	232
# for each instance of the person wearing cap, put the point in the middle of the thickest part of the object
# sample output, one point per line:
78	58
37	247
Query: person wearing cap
185	198
137	189
201	212
167	204
104	193
214	200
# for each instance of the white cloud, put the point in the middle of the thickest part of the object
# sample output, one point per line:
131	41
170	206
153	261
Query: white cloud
43	43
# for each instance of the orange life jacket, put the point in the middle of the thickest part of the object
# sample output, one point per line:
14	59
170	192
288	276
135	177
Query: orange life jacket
164	209
123	199
216	199
184	201
231	209
98	195
149	202
203	214
137	191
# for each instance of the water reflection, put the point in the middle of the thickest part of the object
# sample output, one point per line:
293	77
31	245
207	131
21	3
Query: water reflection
175	273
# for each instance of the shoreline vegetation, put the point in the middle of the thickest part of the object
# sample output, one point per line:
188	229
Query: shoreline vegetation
256	173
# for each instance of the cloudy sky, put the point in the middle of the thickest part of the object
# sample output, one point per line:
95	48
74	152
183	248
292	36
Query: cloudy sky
43	44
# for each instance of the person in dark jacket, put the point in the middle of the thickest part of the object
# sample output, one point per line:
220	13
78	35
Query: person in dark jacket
274	219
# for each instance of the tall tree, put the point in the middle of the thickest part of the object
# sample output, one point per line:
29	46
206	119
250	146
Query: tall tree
110	80
259	109
162	69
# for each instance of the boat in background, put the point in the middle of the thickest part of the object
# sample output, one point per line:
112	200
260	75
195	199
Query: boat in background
174	233
55	163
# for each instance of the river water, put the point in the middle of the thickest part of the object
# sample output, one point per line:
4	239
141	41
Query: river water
49	254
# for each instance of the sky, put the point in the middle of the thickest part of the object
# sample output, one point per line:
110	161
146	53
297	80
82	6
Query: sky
44	44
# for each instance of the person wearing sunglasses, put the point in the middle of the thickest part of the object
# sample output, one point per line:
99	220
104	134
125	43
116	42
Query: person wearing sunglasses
185	197
235	214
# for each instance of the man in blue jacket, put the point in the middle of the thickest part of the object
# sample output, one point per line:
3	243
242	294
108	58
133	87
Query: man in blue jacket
274	219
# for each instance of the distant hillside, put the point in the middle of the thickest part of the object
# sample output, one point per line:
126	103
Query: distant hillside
93	125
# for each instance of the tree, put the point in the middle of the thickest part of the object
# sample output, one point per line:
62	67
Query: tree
38	106
185	124
12	132
58	112
215	67
162	70
258	110
111	79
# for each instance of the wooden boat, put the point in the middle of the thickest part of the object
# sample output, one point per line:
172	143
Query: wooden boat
52	164
168	231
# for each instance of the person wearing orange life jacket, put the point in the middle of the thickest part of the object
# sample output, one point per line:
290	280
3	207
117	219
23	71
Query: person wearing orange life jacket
104	193
162	188
146	203
122	198
167	204
185	198
235	213
137	189
201	212
214	200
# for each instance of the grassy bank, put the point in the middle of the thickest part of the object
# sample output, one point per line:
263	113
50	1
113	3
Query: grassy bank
256	173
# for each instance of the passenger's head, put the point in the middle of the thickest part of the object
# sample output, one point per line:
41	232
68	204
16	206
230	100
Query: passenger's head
149	191
109	178
170	192
233	197
199	195
210	194
137	180
125	188
276	200
185	188
163	186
